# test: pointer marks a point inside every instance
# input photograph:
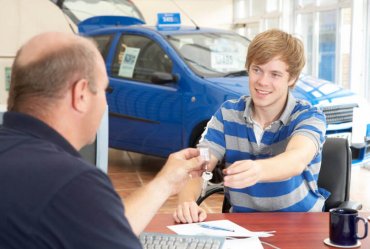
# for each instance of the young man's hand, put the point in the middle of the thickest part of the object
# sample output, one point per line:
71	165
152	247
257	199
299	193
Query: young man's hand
242	174
189	212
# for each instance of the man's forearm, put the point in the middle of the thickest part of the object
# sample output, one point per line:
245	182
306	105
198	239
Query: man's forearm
290	163
281	167
142	205
191	191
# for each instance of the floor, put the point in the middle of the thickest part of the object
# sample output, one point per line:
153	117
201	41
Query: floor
128	171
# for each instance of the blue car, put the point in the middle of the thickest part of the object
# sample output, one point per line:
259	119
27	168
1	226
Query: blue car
165	83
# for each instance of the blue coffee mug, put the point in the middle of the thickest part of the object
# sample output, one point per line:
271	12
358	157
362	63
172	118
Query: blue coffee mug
343	226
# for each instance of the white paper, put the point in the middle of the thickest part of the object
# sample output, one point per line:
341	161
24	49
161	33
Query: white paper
237	231
128	62
250	243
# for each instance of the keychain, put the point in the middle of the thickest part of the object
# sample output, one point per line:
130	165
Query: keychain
206	175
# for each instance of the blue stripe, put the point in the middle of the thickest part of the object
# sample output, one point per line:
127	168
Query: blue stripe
235	155
215	136
285	132
317	159
237	130
250	135
239	209
270	138
232	105
271	189
322	138
308	176
218	115
307	115
300	106
324	193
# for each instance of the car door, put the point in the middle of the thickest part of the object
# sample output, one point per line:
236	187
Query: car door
145	114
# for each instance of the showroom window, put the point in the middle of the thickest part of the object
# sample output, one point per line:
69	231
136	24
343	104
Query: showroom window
327	44
253	16
367	63
325	27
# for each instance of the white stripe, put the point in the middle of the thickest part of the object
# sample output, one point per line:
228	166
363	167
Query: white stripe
234	116
318	207
315	168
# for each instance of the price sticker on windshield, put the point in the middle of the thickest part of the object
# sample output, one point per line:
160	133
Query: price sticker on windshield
223	60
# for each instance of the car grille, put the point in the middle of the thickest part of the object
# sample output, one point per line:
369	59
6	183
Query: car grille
339	113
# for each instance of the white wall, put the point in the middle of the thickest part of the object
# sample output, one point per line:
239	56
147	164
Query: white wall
205	13
19	21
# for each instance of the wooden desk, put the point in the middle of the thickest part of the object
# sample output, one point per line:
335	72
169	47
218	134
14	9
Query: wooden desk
293	230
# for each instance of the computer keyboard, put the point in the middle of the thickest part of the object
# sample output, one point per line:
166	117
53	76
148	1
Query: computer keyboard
177	241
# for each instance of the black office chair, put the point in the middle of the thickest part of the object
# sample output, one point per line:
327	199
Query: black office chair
335	173
334	176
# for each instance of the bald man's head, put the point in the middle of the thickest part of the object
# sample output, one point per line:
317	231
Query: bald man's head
46	67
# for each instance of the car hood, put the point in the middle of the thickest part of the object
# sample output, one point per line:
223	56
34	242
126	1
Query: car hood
316	91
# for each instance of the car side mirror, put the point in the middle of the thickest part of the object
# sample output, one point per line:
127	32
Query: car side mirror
163	78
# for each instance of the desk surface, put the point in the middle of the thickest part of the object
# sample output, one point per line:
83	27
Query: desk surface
293	230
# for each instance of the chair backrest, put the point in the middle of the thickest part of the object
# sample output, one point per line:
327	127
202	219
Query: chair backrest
335	173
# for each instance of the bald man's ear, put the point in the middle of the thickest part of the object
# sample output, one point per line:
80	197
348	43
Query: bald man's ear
80	95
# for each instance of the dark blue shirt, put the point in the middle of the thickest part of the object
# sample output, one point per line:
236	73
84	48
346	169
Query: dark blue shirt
50	197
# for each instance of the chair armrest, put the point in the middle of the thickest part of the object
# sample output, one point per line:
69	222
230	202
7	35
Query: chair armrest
351	204
211	189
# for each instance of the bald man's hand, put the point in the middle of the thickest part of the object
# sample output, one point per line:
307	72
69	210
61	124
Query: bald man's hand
180	167
144	203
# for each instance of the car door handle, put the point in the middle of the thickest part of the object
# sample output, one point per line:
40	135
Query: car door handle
109	89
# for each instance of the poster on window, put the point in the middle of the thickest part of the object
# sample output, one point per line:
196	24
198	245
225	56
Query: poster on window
128	62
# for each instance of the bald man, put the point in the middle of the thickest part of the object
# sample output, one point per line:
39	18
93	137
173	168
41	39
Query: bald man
49	196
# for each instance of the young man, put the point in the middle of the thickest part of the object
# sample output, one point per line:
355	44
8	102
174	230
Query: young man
50	196
271	142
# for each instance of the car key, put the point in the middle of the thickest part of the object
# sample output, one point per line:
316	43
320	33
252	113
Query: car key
206	175
204	154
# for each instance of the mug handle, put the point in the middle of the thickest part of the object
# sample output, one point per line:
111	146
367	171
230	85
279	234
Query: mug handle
365	224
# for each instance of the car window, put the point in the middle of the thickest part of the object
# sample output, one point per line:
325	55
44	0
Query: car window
103	43
212	54
138	57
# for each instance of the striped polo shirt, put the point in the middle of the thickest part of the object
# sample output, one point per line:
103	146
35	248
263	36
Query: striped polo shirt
230	136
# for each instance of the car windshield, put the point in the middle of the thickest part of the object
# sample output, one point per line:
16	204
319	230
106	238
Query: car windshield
79	10
212	54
